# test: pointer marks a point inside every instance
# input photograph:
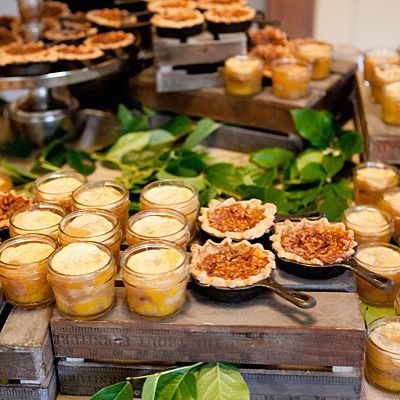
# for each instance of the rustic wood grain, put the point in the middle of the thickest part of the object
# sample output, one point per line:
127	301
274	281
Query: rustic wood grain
266	330
382	140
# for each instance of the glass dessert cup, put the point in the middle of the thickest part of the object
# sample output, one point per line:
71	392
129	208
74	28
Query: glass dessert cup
369	224
390	202
103	195
83	295
57	188
290	78
175	195
378	56
25	282
384	259
382	354
243	76
162	224
40	218
318	55
383	75
154	294
371	179
98	226
391	103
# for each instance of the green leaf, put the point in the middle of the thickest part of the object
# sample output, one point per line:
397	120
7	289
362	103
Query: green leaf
304	197
204	128
312	172
179	125
135	141
206	195
224	176
342	188
308	156
160	137
351	143
177	385
332	165
271	157
198	182
54	153
268	178
81	161
186	163
149	389
118	391
247	192
20	146
279	198
124	115
371	313
221	382
138	123
333	207
19	175
318	127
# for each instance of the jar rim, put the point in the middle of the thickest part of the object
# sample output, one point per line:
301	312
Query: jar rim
55	175
377	165
290	60
378	244
376	323
379	50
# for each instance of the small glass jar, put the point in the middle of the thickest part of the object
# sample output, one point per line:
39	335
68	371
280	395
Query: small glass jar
38	218
382	75
23	274
155	276
369	224
162	224
243	75
82	276
175	195
390	202
378	56
371	179
319	55
103	195
384	259
382	354
290	78
391	103
98	226
57	188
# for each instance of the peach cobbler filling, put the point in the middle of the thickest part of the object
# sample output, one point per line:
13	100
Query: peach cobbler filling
234	264
326	244
235	218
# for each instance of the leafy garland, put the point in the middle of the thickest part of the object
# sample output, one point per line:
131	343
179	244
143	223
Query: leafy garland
312	179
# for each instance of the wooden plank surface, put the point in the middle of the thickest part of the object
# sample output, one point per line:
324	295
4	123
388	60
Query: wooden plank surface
25	345
382	140
265	330
263	111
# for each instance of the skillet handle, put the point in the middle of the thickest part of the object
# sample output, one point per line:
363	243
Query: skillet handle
299	299
313	215
377	280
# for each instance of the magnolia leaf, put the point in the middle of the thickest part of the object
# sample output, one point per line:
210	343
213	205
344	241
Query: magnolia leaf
371	313
224	176
268	178
247	192
342	188
308	156
312	172
271	157
221	382
204	128
149	390
332	165
177	385
304	197
186	164
124	115
333	207
130	122
135	141
160	137
351	143
81	161
18	174
118	391
198	182
317	126
206	195
179	125
54	153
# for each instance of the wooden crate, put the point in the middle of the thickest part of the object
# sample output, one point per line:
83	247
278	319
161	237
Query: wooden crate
382	140
25	345
265	330
82	378
263	111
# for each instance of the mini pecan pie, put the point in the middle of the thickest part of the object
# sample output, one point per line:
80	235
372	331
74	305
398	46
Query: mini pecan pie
26	53
313	242
10	202
55	9
229	14
229	264
159	6
68	34
178	18
207	4
111	17
80	53
237	220
111	40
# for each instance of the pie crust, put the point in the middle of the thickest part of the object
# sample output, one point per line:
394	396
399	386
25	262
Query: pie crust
26	53
111	17
332	240
111	40
65	34
177	18
159	6
239	259
10	203
243	211
208	4
80	53
229	14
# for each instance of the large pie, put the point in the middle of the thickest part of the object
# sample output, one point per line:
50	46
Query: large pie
248	219
313	242
230	264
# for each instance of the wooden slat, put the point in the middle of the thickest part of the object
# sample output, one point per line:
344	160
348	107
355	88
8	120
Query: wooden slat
25	345
382	140
266	330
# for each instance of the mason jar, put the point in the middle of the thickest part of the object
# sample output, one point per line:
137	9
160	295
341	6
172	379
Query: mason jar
391	103
373	57
318	55
23	274
155	276
382	75
390	202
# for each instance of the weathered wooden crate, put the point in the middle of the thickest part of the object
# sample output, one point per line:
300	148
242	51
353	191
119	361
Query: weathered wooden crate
263	110
265	330
382	140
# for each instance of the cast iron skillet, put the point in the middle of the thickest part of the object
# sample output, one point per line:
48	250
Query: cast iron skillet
236	295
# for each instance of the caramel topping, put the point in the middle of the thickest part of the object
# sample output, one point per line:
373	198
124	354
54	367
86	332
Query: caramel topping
326	244
180	15
23	49
113	14
109	37
235	218
233	264
225	12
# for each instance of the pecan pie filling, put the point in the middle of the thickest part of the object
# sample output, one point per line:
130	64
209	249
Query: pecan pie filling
235	218
233	264
324	243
